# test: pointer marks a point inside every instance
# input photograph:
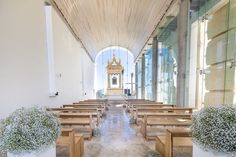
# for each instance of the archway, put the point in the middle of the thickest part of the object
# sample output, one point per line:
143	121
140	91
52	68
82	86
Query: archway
101	61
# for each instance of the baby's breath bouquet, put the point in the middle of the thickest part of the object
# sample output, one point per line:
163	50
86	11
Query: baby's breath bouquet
28	130
214	129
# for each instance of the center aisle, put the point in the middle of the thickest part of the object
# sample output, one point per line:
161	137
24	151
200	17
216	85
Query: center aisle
117	137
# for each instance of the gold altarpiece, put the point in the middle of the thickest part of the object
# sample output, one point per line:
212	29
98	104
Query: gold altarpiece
114	77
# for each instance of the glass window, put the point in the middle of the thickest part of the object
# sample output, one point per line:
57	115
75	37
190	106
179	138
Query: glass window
167	63
148	75
212	52
139	79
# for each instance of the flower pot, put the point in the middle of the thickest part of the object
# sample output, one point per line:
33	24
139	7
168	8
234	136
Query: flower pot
47	153
199	152
24	155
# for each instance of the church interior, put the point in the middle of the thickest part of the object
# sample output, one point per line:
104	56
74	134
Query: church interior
117	78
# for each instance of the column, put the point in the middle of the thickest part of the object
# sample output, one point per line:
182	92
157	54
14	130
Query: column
119	80
154	68
109	86
132	76
182	30
143	78
136	80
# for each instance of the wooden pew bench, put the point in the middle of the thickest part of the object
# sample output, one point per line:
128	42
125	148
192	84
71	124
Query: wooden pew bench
88	106
76	110
133	110
99	107
133	106
95	100
73	141
104	104
103	101
84	105
175	137
67	141
140	112
131	103
95	116
81	125
154	125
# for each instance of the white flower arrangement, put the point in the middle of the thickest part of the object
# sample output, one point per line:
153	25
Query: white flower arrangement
214	129
28	130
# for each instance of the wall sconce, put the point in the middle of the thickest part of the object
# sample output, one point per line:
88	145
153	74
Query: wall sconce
53	94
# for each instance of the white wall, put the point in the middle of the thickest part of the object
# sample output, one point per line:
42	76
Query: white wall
88	77
23	59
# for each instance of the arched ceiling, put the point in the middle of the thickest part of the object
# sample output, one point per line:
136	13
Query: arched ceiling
103	23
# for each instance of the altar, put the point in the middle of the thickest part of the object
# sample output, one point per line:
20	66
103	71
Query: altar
114	77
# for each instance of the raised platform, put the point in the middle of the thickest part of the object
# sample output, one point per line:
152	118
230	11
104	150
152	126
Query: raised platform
114	91
115	97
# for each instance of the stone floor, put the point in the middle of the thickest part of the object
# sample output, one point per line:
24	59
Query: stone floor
117	137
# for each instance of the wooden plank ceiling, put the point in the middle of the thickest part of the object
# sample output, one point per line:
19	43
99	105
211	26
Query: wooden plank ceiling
103	23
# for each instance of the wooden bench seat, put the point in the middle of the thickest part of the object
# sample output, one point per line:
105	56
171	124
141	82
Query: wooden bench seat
79	145
136	103
165	109
102	103
163	120
68	141
75	110
90	103
140	116
73	141
99	108
84	105
174	137
95	116
135	107
81	125
139	112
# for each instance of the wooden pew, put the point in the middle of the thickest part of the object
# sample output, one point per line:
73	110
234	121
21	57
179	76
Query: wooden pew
67	140
164	120
95	100
73	140
100	109
76	110
144	102
100	104
84	124
100	101
79	148
133	105
163	109
138	100
175	137
90	102
89	105
152	105
139	112
84	105
94	115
